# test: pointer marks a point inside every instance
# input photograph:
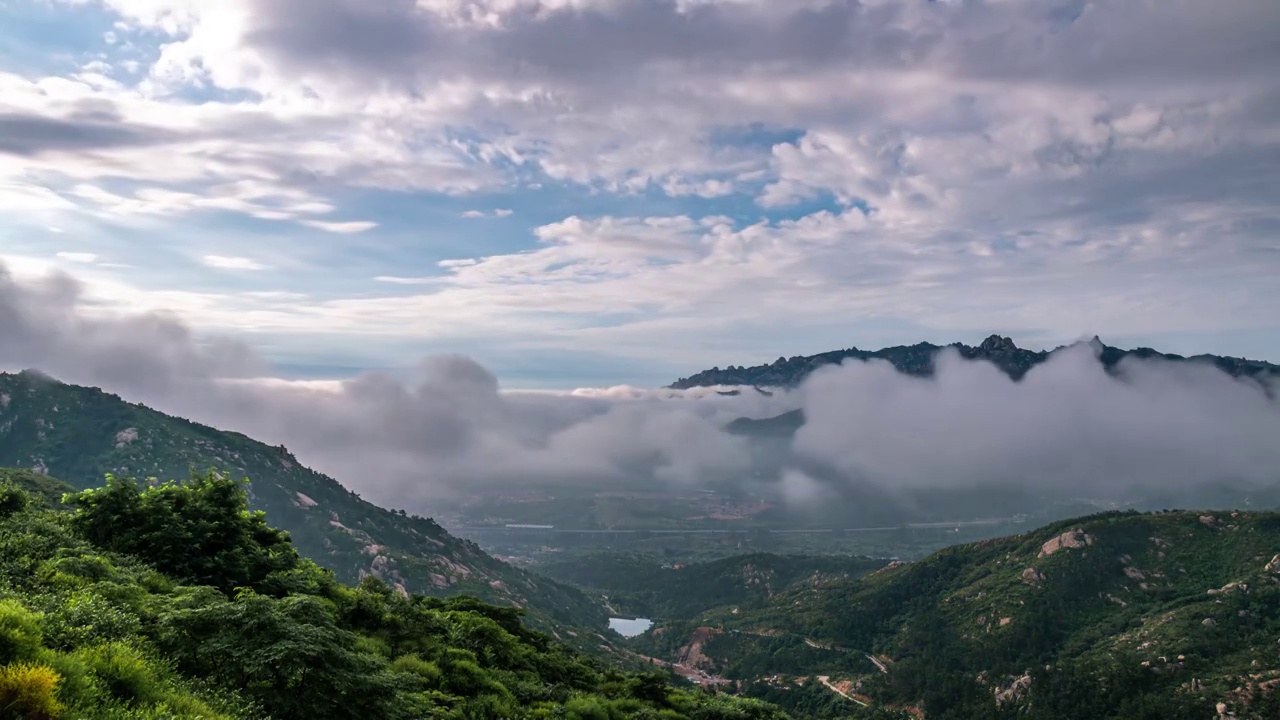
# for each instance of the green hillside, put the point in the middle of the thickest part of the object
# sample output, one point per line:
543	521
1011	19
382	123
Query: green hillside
175	603
639	585
80	434
1120	615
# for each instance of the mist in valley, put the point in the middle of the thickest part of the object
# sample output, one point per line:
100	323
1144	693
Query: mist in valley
876	445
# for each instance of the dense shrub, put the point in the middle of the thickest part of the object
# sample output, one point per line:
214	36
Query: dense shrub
28	692
19	632
12	500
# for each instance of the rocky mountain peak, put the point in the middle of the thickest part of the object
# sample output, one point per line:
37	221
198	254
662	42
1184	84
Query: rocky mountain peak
997	344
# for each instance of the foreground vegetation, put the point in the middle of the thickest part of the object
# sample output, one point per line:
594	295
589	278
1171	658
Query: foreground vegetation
174	601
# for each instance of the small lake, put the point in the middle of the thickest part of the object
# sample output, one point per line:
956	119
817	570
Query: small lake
628	627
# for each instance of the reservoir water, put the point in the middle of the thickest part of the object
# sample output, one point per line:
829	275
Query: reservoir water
630	627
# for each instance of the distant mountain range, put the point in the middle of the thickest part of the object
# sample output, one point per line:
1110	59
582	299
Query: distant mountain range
919	360
78	434
1120	615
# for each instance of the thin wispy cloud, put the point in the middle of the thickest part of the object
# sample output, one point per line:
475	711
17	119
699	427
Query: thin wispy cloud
344	228
395	280
479	214
78	257
225	262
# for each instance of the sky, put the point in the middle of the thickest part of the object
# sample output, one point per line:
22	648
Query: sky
596	192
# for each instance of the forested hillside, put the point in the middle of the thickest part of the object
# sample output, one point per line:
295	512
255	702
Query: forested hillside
151	603
1120	615
79	434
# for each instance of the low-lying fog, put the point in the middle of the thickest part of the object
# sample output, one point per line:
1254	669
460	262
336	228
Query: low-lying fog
1068	428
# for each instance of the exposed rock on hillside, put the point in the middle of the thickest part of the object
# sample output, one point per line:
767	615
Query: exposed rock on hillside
1013	691
691	655
1070	539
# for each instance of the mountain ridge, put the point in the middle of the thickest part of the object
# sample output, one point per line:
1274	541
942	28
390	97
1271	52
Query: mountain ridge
918	360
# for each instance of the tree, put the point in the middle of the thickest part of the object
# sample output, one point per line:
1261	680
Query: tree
199	531
12	500
289	654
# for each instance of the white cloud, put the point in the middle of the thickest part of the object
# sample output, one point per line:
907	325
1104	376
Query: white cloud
225	262
398	280
342	228
274	295
633	109
479	214
1020	164
1067	425
78	257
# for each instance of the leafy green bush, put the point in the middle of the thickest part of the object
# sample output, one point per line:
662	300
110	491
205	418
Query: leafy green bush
124	673
589	707
13	500
199	531
28	692
78	687
426	671
85	618
78	570
20	634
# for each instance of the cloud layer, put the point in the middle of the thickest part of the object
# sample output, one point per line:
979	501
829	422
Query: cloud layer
1068	423
1067	430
